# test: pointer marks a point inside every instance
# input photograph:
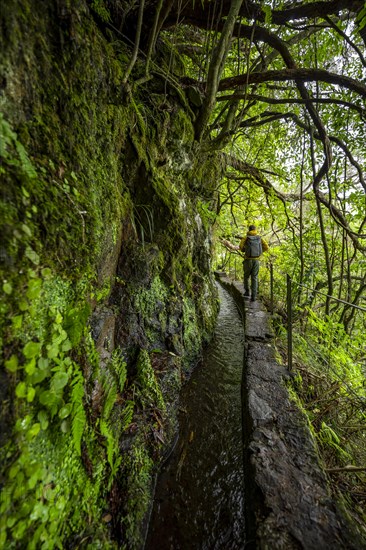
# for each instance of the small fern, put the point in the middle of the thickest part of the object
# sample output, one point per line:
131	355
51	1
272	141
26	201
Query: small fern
127	415
119	366
110	394
106	431
91	352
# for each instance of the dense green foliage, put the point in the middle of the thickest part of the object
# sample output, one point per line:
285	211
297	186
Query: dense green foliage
120	150
90	179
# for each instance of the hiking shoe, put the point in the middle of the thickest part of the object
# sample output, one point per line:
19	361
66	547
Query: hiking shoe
246	293
252	299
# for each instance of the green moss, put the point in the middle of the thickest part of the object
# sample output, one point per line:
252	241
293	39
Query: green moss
182	127
138	472
191	336
149	389
151	304
71	194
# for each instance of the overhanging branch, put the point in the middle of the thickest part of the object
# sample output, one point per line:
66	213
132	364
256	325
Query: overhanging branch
301	75
293	101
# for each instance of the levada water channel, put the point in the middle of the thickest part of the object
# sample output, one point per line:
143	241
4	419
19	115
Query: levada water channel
199	501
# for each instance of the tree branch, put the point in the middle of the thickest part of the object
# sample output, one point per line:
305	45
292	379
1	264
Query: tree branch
259	179
346	38
215	69
194	13
301	75
290	101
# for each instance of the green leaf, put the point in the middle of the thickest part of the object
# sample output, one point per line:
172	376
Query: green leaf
61	503
59	380
58	318
33	311
21	390
66	346
17	321
21	425
32	255
7	288
12	363
3	534
46	272
43	419
65	411
19	530
31	349
51	400
26	229
23	305
14	470
25	192
65	426
31	366
52	351
43	363
267	14
34	288
38	376
40	512
11	522
31	394
32	481
46	397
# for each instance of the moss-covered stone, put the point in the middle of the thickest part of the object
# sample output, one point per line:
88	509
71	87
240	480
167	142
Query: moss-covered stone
103	255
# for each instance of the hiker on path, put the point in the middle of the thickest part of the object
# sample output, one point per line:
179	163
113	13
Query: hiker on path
252	245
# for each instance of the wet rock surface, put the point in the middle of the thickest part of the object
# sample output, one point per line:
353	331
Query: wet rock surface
288	502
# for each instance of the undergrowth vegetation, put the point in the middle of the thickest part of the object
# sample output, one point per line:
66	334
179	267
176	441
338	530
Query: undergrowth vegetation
329	386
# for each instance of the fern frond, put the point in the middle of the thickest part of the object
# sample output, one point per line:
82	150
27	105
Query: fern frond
127	415
119	366
91	351
105	430
110	394
78	425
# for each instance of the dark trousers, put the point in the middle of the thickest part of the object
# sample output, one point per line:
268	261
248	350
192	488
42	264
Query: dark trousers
251	270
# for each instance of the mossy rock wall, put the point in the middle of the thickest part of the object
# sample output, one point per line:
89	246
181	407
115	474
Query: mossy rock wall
105	271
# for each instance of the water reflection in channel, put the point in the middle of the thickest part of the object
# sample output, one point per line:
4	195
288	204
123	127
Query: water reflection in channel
199	496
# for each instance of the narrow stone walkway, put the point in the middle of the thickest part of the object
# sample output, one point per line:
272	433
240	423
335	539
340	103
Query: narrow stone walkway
288	503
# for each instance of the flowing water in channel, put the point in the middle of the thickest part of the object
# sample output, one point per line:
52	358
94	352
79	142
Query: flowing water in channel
199	501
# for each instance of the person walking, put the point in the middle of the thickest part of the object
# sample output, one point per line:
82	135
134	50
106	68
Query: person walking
252	245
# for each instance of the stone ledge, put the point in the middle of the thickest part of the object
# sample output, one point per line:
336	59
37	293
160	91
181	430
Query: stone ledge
288	502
